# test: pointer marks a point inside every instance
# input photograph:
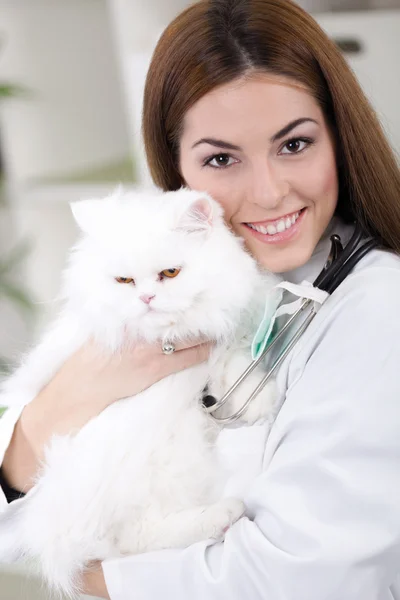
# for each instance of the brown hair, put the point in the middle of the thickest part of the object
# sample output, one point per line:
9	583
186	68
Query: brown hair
216	41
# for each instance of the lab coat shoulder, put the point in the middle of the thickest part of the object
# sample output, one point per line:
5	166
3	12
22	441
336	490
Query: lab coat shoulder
373	286
362	312
352	346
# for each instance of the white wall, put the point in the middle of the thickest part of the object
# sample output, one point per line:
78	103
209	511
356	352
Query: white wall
63	52
376	66
137	21
137	26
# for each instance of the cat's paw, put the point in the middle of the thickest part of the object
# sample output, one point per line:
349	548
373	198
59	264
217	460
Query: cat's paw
217	519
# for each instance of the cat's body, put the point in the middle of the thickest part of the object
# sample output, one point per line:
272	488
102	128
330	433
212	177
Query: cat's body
144	474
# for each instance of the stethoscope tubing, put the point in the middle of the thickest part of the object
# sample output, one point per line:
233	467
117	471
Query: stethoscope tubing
340	263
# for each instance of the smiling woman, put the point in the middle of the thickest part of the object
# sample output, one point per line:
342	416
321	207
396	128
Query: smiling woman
250	101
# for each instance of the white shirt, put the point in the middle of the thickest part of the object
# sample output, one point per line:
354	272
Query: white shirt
323	488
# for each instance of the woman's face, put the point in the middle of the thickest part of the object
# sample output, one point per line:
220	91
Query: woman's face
261	147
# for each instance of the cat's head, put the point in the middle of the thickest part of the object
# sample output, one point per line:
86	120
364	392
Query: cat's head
157	264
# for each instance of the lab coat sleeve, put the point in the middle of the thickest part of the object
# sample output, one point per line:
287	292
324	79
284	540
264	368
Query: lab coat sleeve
327	504
7	424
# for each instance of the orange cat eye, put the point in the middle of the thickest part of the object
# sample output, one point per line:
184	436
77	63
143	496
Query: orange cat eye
170	273
124	279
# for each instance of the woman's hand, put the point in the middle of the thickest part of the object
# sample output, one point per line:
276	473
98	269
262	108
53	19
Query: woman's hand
86	384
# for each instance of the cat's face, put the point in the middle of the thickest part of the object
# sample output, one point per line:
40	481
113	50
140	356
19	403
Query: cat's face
154	262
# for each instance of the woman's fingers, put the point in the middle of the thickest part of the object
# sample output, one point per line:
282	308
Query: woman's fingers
185	357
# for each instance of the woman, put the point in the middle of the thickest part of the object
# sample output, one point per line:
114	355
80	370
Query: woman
251	101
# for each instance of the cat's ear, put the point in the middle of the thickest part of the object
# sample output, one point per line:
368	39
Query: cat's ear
198	217
90	214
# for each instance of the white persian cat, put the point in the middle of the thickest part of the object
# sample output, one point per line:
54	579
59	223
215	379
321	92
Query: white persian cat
144	474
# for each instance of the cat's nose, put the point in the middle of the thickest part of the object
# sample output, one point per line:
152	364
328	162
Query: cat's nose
146	298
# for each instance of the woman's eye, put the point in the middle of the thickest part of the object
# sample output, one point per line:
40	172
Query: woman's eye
170	273
295	146
219	161
124	280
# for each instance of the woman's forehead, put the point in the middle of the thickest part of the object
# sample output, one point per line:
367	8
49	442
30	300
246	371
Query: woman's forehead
244	105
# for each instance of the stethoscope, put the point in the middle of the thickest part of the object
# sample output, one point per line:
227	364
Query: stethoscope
341	261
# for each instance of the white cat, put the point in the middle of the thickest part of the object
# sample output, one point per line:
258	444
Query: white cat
144	474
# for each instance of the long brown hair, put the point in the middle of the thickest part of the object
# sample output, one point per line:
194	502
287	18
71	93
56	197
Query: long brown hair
216	41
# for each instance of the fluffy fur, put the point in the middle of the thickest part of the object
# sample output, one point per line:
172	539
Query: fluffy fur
143	475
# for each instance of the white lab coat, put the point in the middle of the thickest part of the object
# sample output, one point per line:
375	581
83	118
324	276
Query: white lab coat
323	488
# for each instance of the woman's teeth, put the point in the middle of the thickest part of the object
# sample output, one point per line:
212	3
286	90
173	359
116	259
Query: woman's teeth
276	226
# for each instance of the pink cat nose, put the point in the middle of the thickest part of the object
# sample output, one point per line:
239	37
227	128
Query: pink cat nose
146	298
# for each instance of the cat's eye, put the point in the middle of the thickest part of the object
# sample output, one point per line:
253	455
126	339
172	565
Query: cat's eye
124	280
170	273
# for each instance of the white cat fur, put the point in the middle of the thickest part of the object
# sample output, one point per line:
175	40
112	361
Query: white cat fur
144	474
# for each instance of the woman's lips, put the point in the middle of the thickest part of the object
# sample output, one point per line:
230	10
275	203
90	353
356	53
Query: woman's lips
279	237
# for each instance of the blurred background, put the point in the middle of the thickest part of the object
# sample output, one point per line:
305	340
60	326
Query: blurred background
71	83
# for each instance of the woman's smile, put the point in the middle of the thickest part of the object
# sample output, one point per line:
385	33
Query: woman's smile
278	231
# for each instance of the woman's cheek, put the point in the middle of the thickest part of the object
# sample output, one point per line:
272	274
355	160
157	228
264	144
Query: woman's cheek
320	182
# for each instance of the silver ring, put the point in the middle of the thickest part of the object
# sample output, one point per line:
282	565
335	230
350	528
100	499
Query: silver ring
168	348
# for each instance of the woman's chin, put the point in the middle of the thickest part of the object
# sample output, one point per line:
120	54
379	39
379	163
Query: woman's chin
285	264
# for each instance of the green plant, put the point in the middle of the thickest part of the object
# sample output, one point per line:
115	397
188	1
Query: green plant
8	288
11	291
8	90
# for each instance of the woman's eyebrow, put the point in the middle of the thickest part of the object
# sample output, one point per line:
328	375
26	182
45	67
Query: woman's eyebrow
218	143
277	136
288	128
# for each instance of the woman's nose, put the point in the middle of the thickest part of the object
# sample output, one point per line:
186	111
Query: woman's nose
268	187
